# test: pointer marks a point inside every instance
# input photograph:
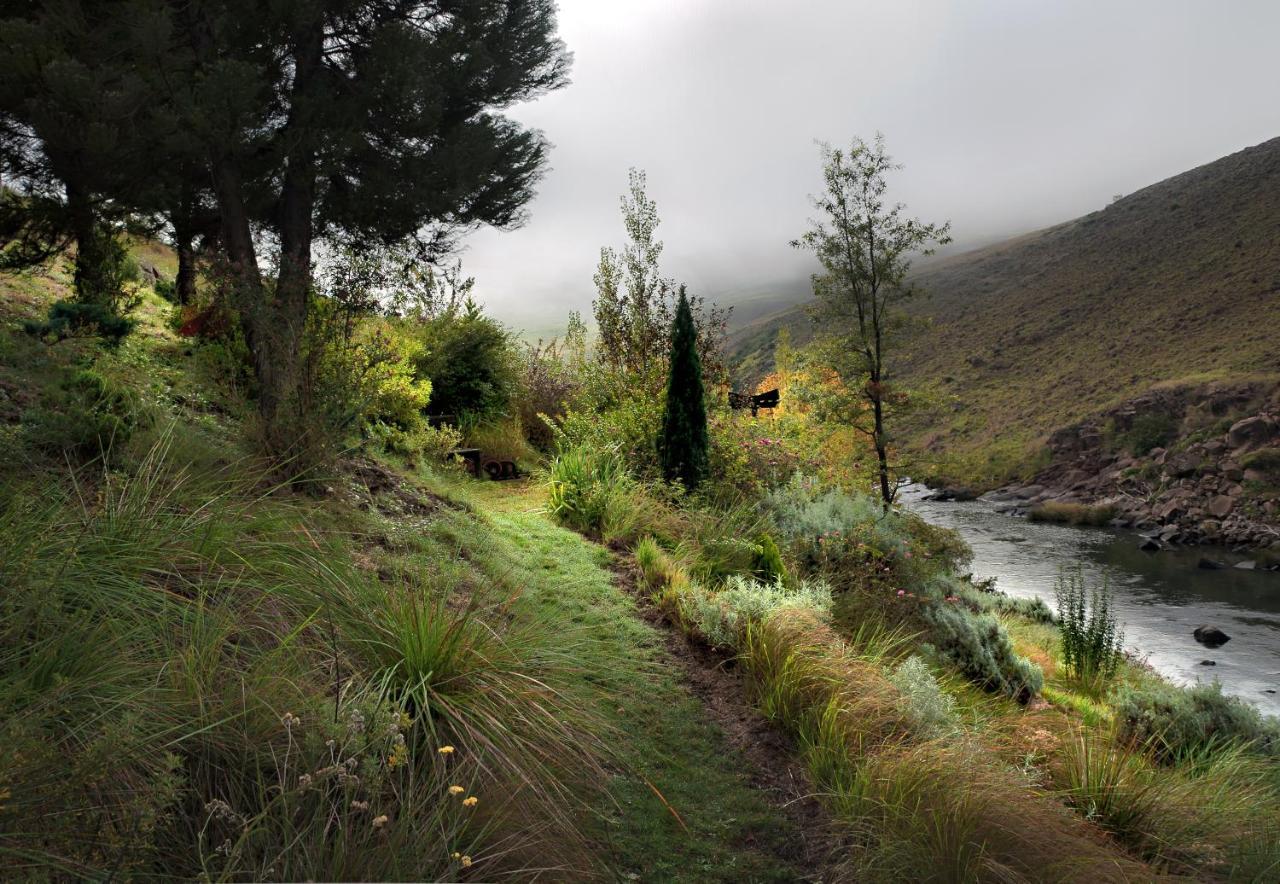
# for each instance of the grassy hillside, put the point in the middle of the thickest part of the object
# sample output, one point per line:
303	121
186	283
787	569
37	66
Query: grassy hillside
208	676
1177	282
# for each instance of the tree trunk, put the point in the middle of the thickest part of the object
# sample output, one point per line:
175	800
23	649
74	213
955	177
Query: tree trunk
297	205
184	235
89	258
882	449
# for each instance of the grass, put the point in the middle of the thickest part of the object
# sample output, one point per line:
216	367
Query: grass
681	809
1072	513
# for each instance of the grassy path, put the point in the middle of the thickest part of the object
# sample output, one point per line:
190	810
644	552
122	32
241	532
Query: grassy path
726	830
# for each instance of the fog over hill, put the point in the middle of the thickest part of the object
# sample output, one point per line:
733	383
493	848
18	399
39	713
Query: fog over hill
1009	116
1179	281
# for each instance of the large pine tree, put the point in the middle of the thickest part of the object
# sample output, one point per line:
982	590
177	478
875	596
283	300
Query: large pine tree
682	444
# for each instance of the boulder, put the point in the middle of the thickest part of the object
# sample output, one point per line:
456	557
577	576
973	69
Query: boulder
1210	528
1206	564
1246	565
1231	471
1210	636
1184	464
1221	506
1251	431
1149	544
1208	663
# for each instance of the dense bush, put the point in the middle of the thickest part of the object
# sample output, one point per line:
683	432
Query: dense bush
583	484
1148	431
548	385
1176	721
67	318
978	645
831	529
721	616
92	415
471	362
932	710
769	566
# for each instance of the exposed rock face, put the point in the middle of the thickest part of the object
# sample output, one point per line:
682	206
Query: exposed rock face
1211	478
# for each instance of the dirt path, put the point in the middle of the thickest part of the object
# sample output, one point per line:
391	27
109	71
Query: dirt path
721	769
773	766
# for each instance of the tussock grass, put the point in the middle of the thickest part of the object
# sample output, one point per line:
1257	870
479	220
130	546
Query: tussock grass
195	683
919	808
1072	513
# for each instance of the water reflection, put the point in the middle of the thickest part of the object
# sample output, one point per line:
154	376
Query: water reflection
1160	597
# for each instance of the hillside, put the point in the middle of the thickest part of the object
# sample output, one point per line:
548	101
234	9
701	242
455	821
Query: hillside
1177	282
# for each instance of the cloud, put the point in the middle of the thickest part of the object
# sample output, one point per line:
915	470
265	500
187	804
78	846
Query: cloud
1008	115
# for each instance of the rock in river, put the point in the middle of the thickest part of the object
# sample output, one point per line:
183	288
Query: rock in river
1210	636
1211	565
1149	544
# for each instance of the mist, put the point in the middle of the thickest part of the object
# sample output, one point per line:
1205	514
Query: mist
1007	116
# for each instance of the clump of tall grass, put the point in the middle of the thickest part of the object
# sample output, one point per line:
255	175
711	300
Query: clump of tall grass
1072	513
916	807
590	490
1092	641
1214	810
182	667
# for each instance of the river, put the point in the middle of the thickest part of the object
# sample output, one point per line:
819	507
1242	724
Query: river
1159	597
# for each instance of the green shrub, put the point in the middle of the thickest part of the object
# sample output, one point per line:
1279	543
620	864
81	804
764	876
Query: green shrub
931	710
471	362
978	645
1148	431
722	616
167	289
1072	513
1092	642
1175	721
67	318
583	483
769	567
1264	460
93	415
653	562
1033	609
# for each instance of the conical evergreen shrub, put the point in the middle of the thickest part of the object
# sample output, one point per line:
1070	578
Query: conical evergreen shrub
683	443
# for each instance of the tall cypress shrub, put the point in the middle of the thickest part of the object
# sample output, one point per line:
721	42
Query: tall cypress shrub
682	444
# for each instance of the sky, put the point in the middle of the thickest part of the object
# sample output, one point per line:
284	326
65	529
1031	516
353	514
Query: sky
1008	115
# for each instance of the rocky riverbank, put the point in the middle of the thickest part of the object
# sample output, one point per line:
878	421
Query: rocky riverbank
1184	465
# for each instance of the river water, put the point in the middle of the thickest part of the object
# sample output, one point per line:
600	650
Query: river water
1159	597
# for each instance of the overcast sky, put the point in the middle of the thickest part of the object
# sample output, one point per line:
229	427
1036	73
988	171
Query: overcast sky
1008	114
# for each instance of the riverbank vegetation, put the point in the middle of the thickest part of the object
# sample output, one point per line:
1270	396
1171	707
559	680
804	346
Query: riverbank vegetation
258	623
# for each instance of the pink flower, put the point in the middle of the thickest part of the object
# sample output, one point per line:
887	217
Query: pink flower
901	593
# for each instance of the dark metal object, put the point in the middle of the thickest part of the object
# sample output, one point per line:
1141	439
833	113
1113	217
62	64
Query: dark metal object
754	401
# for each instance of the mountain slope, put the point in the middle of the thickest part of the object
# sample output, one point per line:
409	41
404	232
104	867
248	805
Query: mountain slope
1177	282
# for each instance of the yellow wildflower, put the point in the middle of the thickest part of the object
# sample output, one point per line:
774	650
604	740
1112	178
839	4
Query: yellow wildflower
456	855
380	821
456	790
445	750
470	801
466	862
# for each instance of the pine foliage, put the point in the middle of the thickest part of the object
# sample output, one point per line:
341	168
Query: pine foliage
683	442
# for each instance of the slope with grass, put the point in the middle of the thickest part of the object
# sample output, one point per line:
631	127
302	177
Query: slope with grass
384	674
1177	283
